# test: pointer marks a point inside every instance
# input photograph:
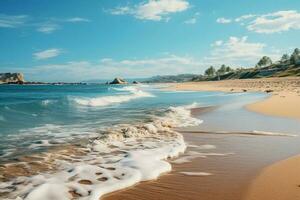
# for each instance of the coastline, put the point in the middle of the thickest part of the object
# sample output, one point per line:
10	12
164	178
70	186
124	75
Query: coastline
112	161
284	100
214	165
223	171
279	180
205	177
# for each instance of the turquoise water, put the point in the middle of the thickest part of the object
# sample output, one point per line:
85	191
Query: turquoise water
36	117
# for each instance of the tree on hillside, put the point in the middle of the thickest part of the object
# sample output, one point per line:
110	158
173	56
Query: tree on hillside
210	71
222	70
284	58
264	61
295	57
228	69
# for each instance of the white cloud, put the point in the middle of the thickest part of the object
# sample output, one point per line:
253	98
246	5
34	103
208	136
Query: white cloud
54	24
44	26
12	21
77	19
244	17
125	10
191	21
238	52
48	28
217	43
154	10
223	20
49	53
276	22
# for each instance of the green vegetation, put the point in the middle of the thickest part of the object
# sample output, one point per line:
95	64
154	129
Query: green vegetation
286	66
264	61
211	71
171	79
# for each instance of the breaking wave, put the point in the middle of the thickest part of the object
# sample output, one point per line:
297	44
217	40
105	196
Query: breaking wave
134	93
47	102
118	157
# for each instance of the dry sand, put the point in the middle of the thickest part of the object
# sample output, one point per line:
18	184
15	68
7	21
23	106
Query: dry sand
284	101
280	181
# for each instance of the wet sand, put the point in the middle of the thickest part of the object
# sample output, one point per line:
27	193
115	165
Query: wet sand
231	173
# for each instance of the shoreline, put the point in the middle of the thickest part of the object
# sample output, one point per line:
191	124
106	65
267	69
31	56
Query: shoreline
188	173
223	171
284	100
192	176
279	180
112	161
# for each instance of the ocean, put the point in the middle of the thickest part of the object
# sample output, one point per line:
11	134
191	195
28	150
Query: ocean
39	116
85	141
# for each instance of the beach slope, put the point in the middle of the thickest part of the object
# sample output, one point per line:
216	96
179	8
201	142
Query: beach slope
280	181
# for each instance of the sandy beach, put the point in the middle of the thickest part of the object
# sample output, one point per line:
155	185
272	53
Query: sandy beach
284	93
277	182
280	180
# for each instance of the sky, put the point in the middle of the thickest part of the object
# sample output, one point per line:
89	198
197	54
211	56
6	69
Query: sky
64	40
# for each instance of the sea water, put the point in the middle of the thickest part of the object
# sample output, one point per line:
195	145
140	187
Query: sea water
37	116
128	134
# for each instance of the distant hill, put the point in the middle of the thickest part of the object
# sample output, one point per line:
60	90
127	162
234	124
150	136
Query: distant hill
103	81
154	79
171	78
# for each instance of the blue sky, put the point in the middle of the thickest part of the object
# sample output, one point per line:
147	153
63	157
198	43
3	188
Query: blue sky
63	40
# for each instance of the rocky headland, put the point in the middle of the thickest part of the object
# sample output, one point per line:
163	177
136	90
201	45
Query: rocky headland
16	78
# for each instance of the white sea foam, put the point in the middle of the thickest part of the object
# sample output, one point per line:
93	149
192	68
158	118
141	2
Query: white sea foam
267	133
41	143
134	93
191	155
246	133
196	173
46	102
182	115
118	158
202	147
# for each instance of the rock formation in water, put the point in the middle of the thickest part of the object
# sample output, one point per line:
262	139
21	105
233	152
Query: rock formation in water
118	81
135	82
17	78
